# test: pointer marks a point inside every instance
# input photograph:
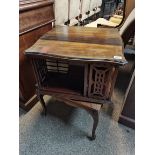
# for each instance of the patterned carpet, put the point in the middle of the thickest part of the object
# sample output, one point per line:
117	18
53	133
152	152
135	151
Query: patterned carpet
63	132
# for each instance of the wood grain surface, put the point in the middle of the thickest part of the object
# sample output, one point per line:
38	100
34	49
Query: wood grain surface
35	15
80	43
35	19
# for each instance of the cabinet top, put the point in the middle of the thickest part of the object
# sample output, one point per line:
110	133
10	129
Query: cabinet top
80	43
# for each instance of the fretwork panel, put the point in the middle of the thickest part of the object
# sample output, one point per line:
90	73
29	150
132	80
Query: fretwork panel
42	70
100	79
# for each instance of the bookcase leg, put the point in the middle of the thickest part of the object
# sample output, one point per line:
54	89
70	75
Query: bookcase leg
40	97
95	116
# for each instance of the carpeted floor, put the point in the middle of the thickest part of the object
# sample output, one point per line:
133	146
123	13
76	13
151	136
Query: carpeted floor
63	132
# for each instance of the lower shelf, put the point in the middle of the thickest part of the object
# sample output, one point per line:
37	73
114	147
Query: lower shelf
70	94
86	105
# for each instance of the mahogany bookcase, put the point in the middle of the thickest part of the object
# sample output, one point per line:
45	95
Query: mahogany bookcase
78	66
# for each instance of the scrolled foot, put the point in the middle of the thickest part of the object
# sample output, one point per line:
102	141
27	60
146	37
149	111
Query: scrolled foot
91	138
95	116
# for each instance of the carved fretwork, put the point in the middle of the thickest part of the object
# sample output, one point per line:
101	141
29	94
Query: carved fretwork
100	81
41	68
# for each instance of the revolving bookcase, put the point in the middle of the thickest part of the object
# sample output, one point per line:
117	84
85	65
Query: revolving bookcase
77	68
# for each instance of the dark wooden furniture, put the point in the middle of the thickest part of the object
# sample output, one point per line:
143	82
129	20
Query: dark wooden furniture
127	113
127	116
77	65
123	78
35	19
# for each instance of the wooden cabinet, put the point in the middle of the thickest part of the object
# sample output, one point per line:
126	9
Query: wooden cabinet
78	65
127	116
35	19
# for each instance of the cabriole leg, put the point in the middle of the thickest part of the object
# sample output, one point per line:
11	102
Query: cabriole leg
95	116
40	97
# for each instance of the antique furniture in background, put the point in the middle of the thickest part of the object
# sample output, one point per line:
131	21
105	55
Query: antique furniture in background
127	116
35	19
123	84
78	65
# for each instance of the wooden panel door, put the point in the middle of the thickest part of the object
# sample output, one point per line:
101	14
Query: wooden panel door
35	19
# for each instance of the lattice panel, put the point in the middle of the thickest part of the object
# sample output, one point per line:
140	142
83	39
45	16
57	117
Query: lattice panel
41	69
57	66
100	81
46	66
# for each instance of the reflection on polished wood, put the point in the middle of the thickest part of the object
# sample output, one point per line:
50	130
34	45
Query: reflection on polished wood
80	43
